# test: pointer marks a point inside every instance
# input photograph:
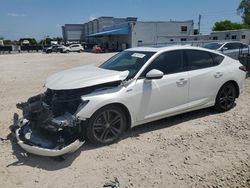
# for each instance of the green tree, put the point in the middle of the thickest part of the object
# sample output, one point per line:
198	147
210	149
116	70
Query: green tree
244	10
228	25
33	41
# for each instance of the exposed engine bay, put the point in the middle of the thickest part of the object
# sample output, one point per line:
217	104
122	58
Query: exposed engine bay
49	126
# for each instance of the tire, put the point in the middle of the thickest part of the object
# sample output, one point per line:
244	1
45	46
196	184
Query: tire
225	98
106	125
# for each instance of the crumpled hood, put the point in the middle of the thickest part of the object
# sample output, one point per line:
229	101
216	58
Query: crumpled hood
83	76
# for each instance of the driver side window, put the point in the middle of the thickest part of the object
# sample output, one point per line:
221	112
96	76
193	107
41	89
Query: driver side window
168	63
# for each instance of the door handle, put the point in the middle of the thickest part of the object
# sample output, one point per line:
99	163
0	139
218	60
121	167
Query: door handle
218	74
181	81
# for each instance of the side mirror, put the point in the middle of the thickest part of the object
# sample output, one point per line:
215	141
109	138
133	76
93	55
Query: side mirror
154	74
224	48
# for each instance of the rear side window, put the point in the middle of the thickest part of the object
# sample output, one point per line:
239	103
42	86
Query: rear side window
168	63
244	46
197	59
233	46
217	58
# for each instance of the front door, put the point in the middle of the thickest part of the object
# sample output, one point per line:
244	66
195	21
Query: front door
160	97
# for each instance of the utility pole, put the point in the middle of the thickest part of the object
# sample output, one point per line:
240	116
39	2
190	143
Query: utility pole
199	25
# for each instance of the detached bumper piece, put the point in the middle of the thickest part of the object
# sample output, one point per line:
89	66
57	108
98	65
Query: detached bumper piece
45	143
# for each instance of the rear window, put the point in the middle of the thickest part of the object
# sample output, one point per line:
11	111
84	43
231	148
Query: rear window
198	59
217	58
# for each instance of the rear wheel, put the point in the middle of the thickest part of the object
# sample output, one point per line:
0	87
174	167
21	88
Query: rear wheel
106	125
225	98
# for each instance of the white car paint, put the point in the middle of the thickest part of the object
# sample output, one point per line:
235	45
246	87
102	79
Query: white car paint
233	53
71	48
145	99
83	76
75	48
149	100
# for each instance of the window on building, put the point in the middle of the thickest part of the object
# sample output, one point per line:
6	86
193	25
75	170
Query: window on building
234	37
215	38
227	35
243	36
171	40
183	28
183	39
198	59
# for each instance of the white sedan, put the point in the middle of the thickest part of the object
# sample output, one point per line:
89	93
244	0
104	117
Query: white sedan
136	86
231	48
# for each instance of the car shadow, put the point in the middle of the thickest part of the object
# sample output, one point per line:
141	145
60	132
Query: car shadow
169	122
52	164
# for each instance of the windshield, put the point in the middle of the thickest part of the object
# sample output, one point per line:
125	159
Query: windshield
128	60
213	46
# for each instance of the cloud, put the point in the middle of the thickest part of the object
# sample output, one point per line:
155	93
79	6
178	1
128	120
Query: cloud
16	15
92	18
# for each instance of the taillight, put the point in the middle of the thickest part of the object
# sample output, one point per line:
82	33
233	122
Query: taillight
243	68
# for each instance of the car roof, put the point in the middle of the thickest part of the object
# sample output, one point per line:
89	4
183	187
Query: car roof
167	48
225	42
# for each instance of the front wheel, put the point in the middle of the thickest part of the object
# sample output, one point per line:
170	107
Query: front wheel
106	125
225	98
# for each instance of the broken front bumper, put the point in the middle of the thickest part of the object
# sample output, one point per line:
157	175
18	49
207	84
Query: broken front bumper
39	143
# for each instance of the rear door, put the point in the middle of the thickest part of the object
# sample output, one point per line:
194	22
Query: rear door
74	48
205	76
232	49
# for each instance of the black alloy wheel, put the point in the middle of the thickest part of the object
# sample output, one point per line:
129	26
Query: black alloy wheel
106	125
225	98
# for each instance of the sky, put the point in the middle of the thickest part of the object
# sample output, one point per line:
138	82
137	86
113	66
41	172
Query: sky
41	18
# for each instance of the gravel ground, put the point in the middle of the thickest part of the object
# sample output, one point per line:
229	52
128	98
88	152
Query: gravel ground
196	149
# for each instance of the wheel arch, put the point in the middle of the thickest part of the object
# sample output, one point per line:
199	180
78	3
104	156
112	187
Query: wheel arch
124	109
235	85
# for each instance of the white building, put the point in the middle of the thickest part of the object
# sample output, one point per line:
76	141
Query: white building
120	33
242	35
73	32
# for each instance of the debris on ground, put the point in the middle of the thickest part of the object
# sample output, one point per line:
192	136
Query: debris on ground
112	184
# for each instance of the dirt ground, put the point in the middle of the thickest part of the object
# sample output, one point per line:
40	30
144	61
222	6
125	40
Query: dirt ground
197	149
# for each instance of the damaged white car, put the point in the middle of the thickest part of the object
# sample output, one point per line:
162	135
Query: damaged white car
135	86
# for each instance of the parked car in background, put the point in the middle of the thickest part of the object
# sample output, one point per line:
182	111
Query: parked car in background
135	86
75	48
231	48
53	48
63	49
